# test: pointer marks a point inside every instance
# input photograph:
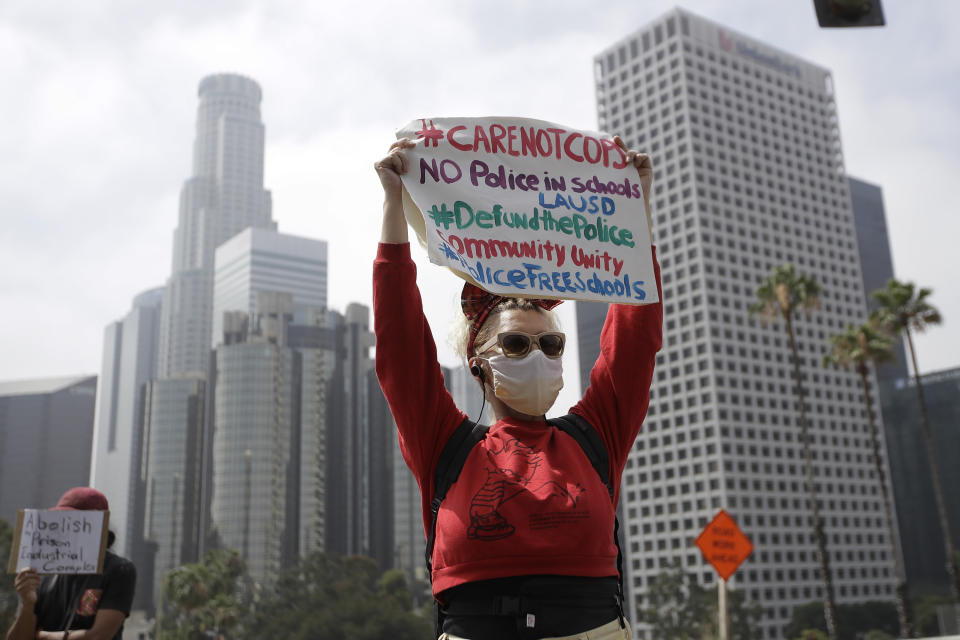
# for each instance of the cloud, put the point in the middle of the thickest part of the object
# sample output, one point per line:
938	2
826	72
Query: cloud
101	101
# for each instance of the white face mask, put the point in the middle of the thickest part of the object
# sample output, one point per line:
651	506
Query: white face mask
529	384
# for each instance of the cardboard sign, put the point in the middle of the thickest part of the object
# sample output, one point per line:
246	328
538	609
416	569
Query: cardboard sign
724	545
526	208
59	541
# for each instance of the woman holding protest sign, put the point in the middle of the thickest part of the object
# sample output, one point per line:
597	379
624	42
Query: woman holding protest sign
520	517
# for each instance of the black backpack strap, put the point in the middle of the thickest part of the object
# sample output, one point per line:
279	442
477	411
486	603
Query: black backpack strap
449	465
589	440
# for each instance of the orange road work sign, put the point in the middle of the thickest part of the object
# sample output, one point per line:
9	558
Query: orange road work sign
724	545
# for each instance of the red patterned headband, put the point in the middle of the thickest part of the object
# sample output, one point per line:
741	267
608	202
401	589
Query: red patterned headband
478	303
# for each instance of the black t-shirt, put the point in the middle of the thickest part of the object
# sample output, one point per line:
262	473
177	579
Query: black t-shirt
112	589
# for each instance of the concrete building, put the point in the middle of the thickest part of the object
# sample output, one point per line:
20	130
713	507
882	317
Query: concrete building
224	196
174	411
921	537
46	431
256	443
359	458
750	176
129	363
876	263
269	297
590	318
920	533
409	541
303	400
264	260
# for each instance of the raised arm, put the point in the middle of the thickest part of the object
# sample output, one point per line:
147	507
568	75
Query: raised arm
389	170
406	355
25	624
619	393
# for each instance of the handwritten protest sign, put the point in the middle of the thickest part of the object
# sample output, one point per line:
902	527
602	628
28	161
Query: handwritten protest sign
59	541
527	208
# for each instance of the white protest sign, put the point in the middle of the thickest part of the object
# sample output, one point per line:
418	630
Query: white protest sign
59	541
527	208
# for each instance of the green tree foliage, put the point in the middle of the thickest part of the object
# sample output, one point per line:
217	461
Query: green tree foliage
853	620
855	349
928	625
681	609
8	597
781	295
905	309
326	598
202	597
677	607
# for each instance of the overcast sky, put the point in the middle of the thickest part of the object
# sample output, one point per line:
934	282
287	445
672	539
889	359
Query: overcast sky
100	101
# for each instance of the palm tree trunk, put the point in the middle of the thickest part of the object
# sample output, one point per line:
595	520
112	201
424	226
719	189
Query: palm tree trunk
952	570
903	610
829	604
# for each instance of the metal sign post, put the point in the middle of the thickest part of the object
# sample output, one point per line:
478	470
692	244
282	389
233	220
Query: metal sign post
724	622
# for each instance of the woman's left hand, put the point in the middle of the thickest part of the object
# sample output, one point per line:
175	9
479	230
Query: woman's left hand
644	168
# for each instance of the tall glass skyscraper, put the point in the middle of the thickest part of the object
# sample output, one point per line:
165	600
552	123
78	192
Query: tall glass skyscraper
173	474
750	175
129	363
264	260
256	443
920	532
119	448
46	426
224	196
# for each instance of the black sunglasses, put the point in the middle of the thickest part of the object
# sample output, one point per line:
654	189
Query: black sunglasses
516	344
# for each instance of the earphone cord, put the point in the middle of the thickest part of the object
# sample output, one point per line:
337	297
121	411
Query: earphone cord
483	405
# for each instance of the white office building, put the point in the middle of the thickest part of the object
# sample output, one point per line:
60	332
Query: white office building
749	175
264	260
129	362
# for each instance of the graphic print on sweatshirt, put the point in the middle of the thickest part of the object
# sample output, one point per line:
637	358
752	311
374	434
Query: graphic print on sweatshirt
511	471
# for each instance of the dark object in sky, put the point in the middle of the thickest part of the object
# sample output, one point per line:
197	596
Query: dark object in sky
849	13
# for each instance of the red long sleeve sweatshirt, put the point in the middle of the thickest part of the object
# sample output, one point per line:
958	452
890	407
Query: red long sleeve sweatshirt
527	501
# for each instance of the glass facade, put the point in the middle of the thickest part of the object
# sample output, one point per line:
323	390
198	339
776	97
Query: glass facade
44	424
264	260
173	431
129	362
920	532
252	462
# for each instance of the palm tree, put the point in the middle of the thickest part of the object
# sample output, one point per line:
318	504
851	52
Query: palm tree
782	294
903	307
855	349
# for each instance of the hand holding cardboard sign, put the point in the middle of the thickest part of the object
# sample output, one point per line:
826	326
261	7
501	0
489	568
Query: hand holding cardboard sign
645	170
389	169
26	584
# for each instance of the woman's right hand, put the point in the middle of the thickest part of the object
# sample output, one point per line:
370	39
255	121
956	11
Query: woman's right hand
389	169
26	584
392	166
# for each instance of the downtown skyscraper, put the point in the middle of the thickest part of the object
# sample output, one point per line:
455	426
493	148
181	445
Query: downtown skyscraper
749	176
224	196
274	357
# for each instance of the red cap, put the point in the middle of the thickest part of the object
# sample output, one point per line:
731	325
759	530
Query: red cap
82	499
